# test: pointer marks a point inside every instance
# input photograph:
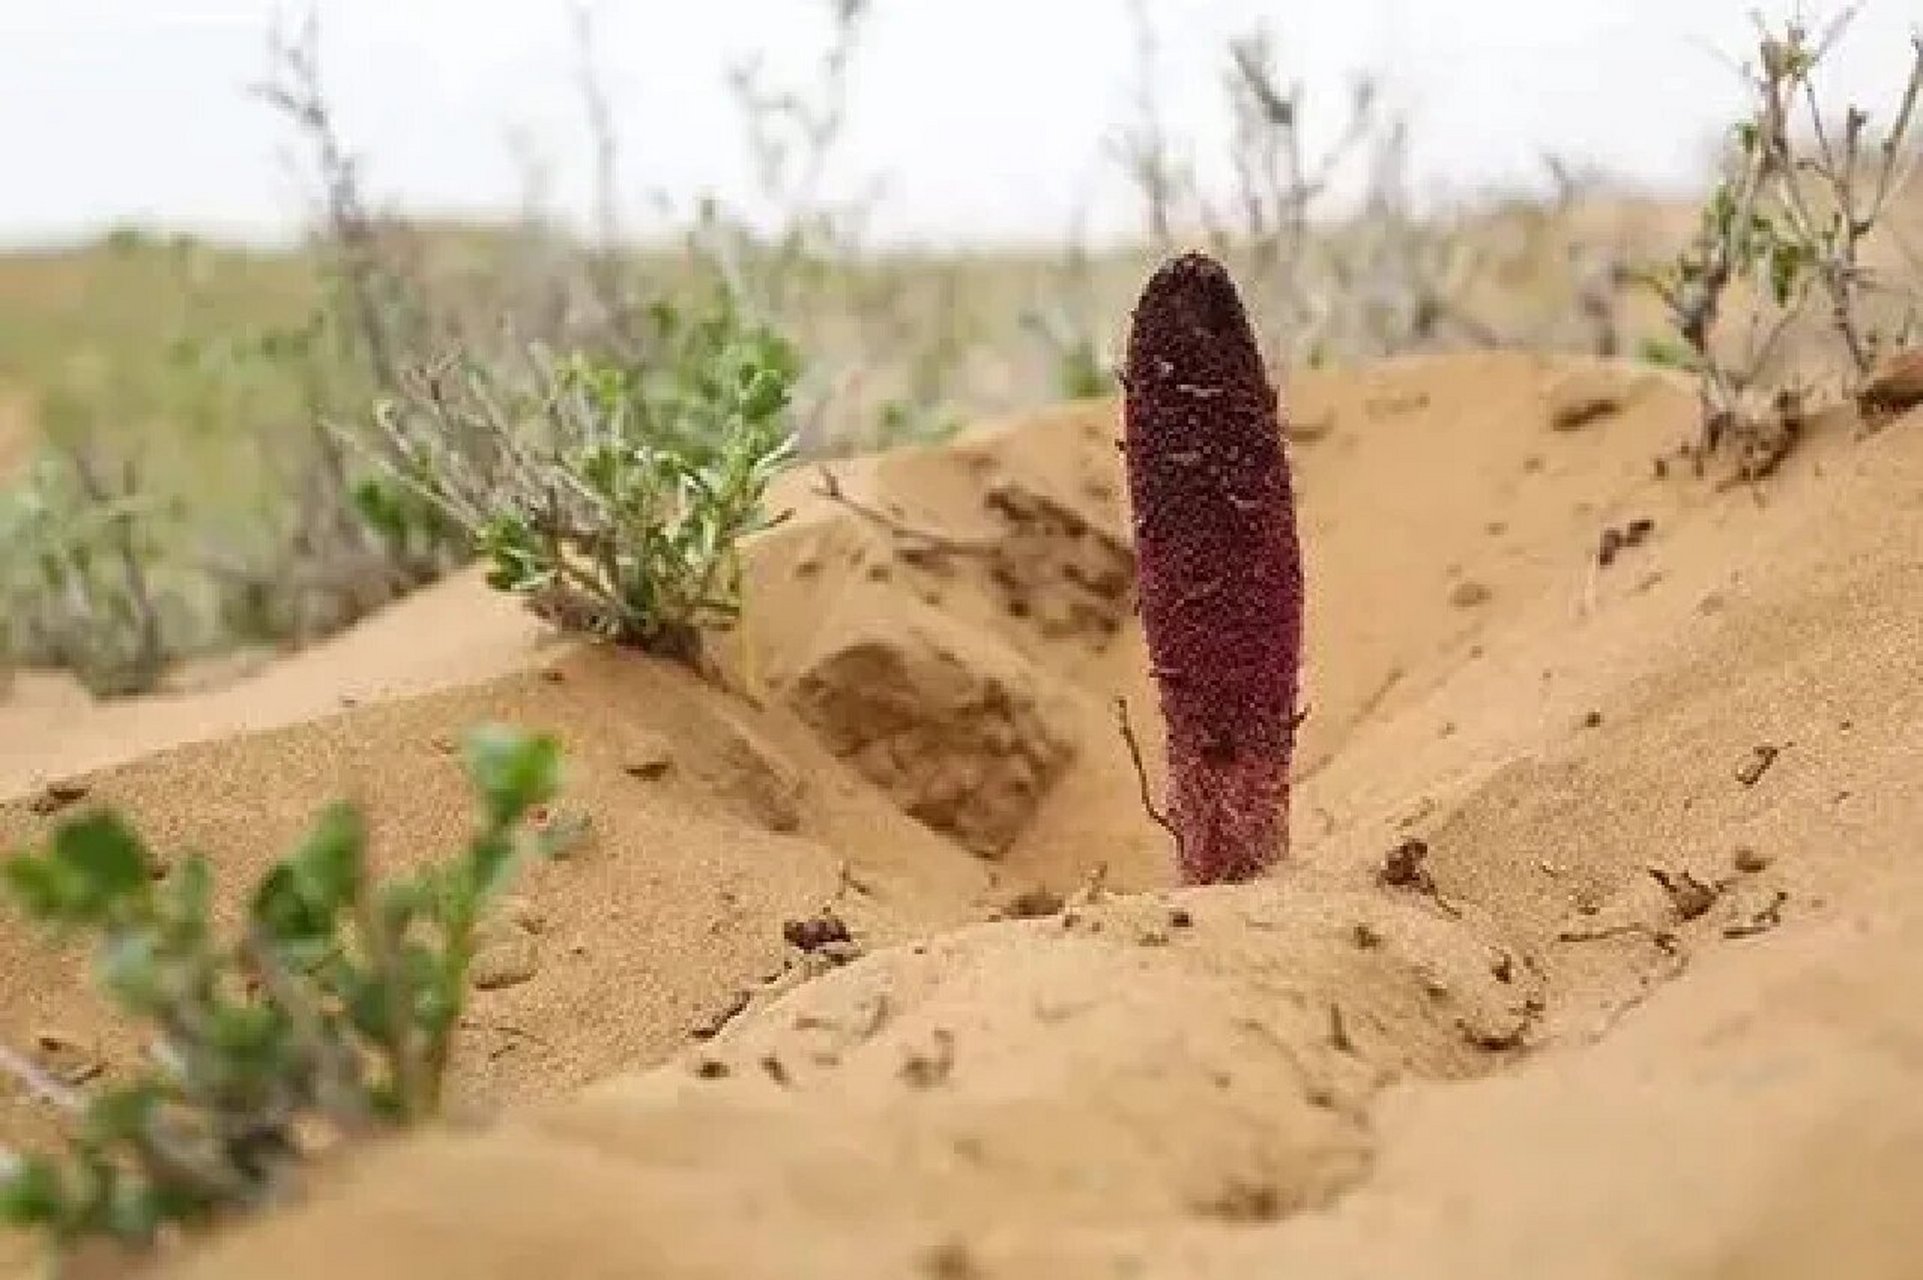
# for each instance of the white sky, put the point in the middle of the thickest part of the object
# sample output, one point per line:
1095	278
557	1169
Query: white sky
987	117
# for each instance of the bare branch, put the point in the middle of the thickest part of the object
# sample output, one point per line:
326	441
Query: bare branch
831	489
1129	740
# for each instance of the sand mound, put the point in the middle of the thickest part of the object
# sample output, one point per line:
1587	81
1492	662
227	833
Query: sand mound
451	634
1595	959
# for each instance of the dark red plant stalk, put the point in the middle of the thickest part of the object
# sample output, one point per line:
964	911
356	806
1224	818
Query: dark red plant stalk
1219	570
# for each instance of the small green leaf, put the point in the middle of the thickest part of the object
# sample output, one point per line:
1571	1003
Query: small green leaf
132	1212
330	861
129	967
33	1193
1785	268
438	990
379	508
290	919
401	902
370	1004
246	1034
36	885
491	863
186	898
513	771
119	1115
104	852
96	865
1668	353
299	901
765	396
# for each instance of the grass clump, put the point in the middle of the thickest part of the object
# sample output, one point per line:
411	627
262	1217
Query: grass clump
613	494
331	1013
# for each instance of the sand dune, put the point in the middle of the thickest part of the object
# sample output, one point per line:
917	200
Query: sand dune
453	633
1635	999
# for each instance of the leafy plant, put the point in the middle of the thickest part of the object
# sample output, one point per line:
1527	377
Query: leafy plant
76	587
333	1011
613	495
1789	220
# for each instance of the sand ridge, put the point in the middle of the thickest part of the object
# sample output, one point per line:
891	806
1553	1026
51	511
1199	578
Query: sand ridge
456	632
1631	1000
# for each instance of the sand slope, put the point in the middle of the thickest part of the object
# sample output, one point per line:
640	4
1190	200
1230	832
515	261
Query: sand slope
453	633
1525	1057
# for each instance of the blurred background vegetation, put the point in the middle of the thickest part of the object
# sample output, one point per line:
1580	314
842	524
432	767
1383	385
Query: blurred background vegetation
189	463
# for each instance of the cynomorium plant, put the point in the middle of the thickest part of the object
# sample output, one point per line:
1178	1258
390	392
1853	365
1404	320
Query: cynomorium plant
333	1011
1219	568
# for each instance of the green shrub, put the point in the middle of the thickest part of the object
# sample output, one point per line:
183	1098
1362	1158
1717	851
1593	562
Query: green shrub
613	494
1787	227
333	1011
76	587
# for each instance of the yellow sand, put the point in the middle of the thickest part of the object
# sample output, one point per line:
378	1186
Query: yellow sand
1537	1069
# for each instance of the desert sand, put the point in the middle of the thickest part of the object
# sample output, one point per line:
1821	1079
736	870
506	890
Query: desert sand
1597	955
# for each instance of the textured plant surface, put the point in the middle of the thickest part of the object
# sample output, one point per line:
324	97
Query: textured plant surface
332	1013
1219	568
